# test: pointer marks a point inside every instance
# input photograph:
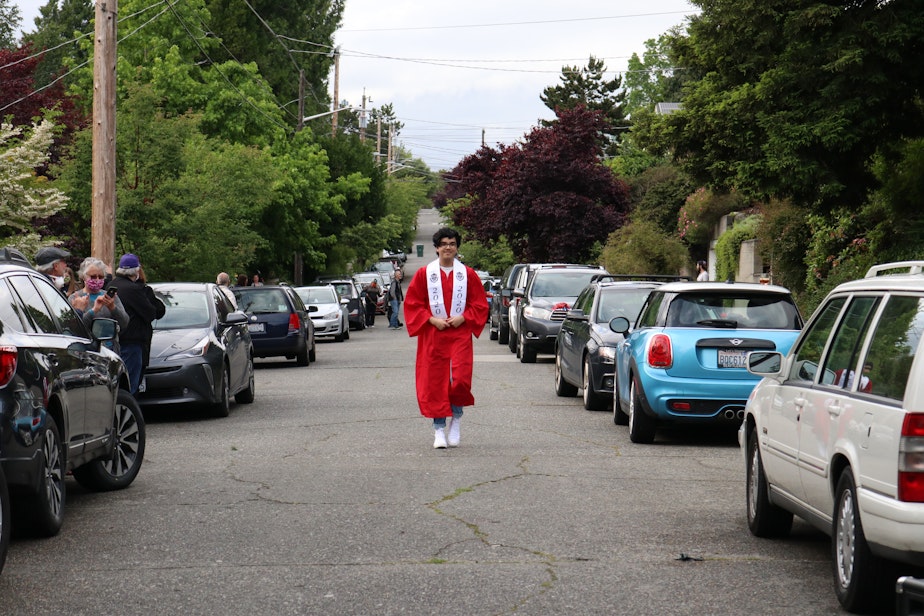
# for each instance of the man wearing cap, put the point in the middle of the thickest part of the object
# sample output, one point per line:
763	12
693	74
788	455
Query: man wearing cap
49	260
142	308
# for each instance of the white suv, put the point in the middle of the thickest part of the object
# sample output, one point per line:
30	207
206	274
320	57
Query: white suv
834	433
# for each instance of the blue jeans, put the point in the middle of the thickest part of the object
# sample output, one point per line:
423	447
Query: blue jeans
393	319
132	357
440	422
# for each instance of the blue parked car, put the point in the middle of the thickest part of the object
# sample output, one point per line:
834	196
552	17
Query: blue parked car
685	361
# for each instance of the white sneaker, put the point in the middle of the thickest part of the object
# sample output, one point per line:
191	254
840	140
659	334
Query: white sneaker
455	431
439	440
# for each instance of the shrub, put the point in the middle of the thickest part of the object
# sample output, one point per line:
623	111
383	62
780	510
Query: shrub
728	247
640	247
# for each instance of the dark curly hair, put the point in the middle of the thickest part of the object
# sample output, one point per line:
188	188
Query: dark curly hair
446	233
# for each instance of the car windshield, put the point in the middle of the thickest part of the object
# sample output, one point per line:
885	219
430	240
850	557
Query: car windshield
318	295
261	301
622	303
740	310
185	310
344	289
561	283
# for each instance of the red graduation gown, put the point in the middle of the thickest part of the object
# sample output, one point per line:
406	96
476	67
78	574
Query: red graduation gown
440	350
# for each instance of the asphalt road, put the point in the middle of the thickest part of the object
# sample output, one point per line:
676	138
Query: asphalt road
325	496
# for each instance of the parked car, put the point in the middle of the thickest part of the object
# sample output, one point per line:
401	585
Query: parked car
278	322
516	296
64	402
585	352
548	295
364	278
834	433
499	324
350	290
685	360
201	351
491	287
386	268
327	311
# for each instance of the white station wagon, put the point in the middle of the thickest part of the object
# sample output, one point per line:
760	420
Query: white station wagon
834	433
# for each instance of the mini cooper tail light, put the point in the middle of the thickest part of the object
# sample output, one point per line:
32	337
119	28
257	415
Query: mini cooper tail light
911	459
9	356
295	323
660	354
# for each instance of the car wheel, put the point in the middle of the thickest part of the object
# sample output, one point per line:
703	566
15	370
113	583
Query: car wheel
592	400
119	468
312	352
303	358
526	354
503	335
246	396
619	417
512	344
764	518
44	510
562	387
642	428
5	521
860	578
346	332
492	334
222	408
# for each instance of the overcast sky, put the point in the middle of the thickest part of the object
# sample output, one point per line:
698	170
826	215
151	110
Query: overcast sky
457	72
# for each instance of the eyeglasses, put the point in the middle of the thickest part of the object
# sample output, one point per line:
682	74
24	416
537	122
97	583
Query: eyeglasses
447	244
96	277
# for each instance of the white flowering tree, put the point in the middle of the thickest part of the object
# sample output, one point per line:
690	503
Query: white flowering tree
25	196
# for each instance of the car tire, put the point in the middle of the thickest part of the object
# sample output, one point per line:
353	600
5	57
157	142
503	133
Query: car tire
492	334
346	332
246	396
6	522
512	343
222	408
312	352
303	358
592	400
503	335
43	510
861	579
526	354
619	416
563	388
642	428
764	518
118	470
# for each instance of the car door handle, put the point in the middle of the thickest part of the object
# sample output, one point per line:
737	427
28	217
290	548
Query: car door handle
834	410
798	402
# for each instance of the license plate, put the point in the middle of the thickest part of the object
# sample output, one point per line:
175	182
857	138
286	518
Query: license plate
729	358
256	328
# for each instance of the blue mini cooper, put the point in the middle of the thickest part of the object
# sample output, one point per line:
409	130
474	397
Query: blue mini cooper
685	361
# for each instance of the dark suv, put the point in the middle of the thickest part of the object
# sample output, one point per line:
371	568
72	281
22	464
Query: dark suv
549	292
64	402
499	324
278	322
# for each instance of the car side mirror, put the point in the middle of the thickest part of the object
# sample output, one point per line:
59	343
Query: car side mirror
105	329
518	293
576	314
236	317
620	325
344	301
312	308
765	363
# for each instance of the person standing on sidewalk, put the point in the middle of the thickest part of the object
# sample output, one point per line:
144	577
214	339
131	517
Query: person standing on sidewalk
395	297
445	306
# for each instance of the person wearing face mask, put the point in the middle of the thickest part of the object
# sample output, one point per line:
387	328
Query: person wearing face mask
93	273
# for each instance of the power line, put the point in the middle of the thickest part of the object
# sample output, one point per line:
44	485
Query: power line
520	23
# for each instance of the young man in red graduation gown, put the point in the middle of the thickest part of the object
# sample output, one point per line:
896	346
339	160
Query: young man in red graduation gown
445	305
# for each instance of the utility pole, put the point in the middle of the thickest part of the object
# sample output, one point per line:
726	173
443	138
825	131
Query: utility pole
362	118
333	122
388	168
301	100
103	215
378	139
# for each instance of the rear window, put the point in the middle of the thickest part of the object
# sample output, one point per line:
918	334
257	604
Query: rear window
261	301
740	310
321	295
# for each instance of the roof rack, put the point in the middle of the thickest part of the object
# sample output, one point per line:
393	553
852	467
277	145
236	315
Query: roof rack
913	267
638	278
12	255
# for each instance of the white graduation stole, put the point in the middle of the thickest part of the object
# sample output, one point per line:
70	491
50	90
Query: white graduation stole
435	289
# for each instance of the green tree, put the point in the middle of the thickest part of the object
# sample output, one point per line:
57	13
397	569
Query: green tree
652	78
588	86
60	21
10	19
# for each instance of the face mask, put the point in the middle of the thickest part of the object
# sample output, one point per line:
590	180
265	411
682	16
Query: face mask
95	285
58	280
